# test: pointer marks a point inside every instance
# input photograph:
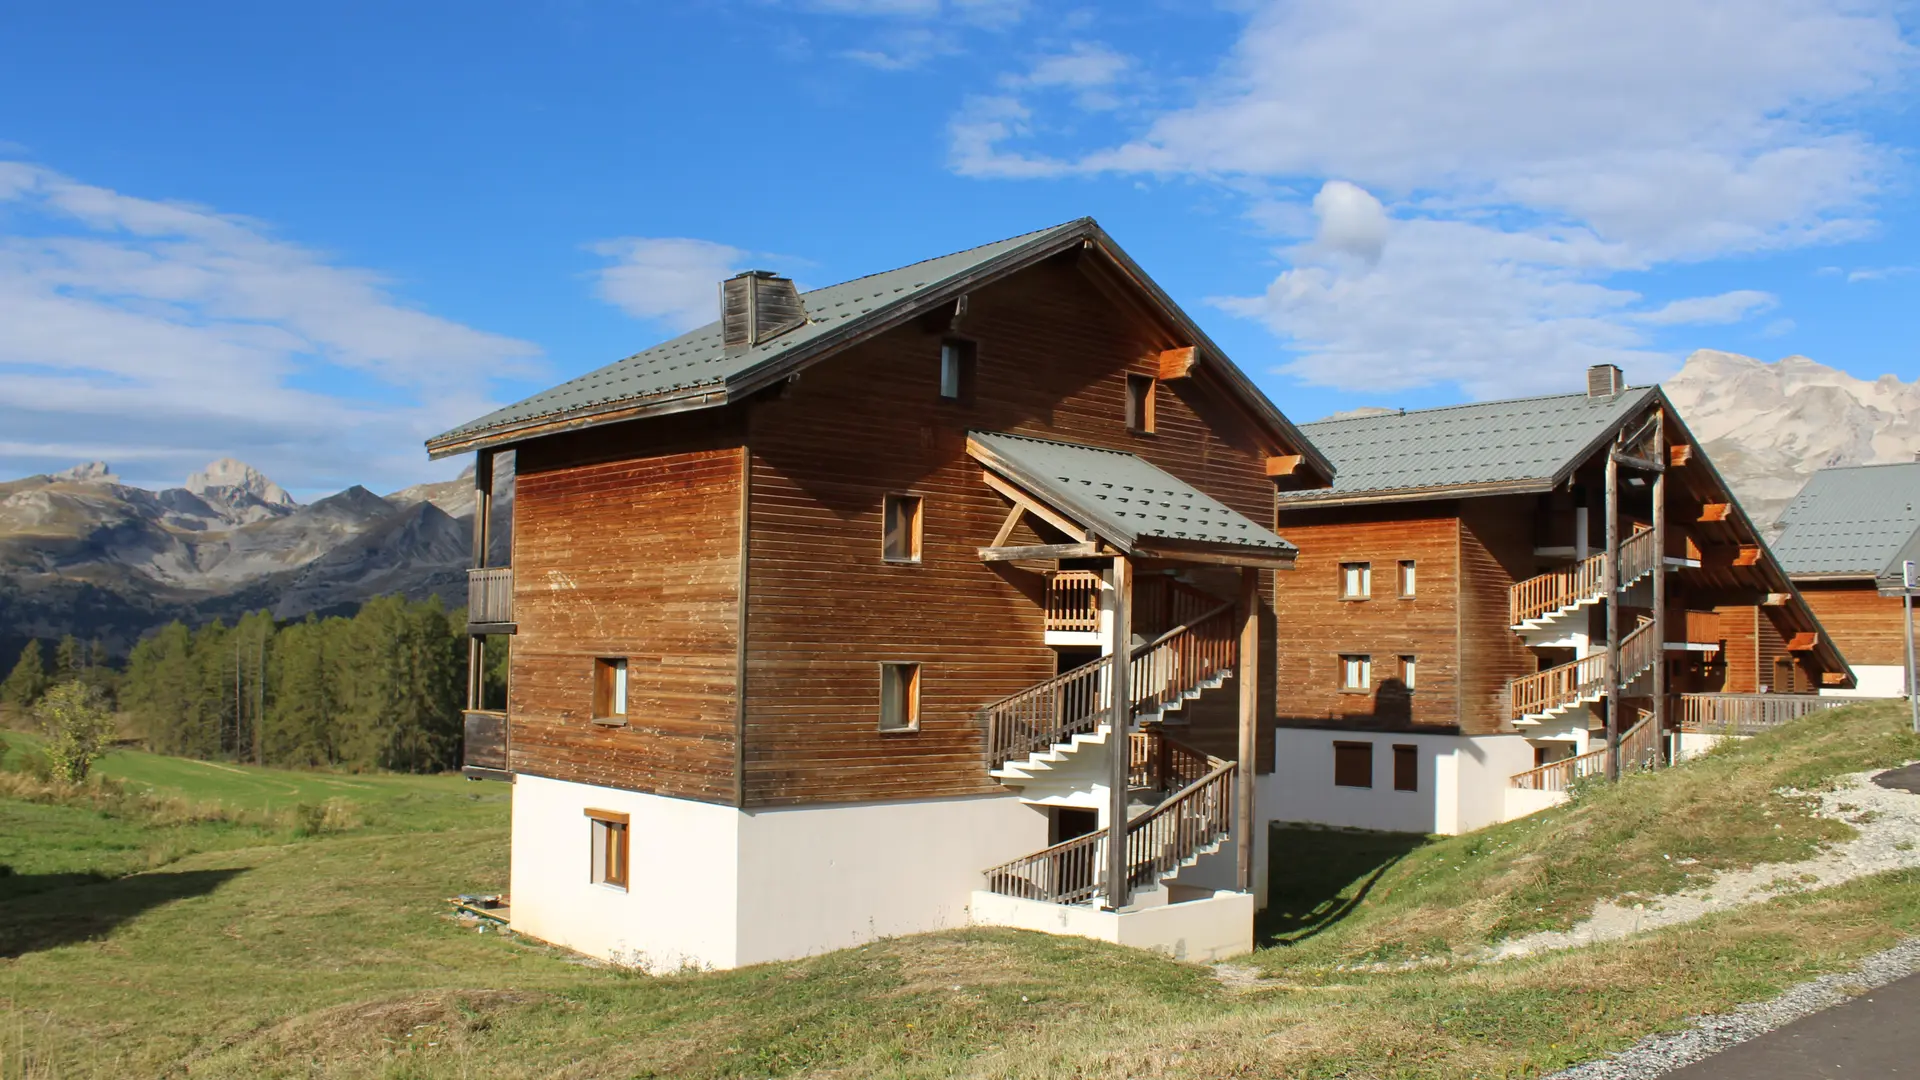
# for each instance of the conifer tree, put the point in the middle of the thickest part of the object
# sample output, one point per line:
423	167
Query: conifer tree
68	660
28	680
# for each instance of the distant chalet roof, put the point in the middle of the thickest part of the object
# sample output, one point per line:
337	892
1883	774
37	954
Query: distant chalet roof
1126	500
695	370
1852	521
1489	448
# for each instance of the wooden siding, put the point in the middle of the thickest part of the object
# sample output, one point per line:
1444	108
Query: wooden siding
1496	552
1052	353
1317	627
635	557
1865	625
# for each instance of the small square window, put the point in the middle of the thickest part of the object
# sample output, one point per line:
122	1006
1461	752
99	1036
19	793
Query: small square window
1409	668
1406	768
901	541
1356	580
1406	577
956	370
610	690
1353	764
1356	673
899	697
610	832
1140	393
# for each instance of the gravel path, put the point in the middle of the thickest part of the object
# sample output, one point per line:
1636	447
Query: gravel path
1888	822
1657	1054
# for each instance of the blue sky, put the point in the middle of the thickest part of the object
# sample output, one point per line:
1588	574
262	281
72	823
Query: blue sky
310	237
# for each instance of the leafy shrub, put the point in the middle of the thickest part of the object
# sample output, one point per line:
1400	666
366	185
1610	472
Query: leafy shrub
78	725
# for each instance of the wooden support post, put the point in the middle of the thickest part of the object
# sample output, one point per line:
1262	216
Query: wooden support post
482	540
1612	578
1118	736
1248	676
1660	592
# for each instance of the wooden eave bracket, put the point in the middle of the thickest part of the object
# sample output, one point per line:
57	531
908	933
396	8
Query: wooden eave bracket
1805	641
1178	363
1285	464
1776	599
1747	555
1679	454
1027	503
1715	511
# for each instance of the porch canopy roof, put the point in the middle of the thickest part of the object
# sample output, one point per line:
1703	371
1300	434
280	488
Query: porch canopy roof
1129	505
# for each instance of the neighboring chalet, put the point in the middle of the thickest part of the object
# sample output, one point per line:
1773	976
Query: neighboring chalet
1453	623
814	613
1842	540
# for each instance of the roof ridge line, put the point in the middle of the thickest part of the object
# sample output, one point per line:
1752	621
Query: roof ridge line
1395	414
948	255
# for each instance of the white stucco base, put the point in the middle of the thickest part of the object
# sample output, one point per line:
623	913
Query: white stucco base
1523	801
1691	744
1214	928
1874	680
712	886
1462	782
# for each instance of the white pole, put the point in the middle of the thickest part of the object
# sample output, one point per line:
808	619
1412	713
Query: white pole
1908	573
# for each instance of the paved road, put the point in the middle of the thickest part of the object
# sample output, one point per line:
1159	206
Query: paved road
1875	1035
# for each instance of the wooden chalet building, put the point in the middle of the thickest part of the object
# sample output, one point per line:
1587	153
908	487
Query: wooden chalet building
814	612
1473	580
1842	540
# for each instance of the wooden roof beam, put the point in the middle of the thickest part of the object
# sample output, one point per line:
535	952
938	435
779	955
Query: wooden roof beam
1679	454
1285	464
1747	555
1178	363
1037	508
1039	551
1805	641
1776	599
1715	511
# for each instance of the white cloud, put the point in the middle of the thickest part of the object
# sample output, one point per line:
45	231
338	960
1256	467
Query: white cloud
915	31
1564	142
169	334
1729	307
674	280
1877	273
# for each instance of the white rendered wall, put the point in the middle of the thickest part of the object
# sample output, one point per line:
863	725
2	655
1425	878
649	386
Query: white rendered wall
1462	781
1216	928
814	879
1875	680
679	906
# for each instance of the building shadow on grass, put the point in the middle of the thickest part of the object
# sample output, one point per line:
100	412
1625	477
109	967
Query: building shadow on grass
1318	877
46	911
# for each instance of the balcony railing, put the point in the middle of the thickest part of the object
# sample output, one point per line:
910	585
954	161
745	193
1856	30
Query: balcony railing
490	596
485	745
1746	714
1073	601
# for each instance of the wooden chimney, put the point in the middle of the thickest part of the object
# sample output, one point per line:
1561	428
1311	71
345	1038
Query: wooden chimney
758	306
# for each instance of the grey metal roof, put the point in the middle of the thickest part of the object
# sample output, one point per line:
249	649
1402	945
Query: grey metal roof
1851	519
1515	442
697	358
1119	496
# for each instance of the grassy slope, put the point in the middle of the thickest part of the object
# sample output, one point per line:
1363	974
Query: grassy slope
327	957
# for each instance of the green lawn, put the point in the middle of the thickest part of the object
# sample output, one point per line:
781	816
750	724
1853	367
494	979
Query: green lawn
329	956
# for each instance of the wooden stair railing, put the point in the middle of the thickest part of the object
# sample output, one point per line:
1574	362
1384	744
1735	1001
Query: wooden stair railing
1566	685
1638	748
1158	842
1163	670
1556	589
1745	714
1162	763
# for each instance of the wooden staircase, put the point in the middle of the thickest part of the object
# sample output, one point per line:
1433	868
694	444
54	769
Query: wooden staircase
1547	694
1639	749
1545	599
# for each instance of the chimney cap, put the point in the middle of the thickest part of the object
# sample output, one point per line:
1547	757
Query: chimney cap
1605	380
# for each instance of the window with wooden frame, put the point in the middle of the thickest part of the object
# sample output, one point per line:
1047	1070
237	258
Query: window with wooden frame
1356	673
899	697
1409	671
1140	394
1353	764
900	541
1406	578
610	851
610	690
956	370
1406	768
1356	580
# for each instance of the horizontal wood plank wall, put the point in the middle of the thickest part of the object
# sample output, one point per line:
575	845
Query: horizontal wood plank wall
824	611
1865	626
1316	626
1740	672
634	558
1496	552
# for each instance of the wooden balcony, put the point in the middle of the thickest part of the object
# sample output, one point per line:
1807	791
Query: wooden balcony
1073	602
1745	714
484	750
490	600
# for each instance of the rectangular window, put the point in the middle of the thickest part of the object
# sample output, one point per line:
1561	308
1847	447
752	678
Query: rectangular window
1406	577
901	542
1356	580
1356	673
610	690
1408	670
899	697
609	847
1353	764
1140	403
1406	768
956	370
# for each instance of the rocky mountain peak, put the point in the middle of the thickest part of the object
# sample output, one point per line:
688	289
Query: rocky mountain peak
96	472
239	476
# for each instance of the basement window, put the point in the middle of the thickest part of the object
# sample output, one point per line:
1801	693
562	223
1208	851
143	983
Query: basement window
610	834
1356	673
1356	580
956	370
610	690
1406	768
899	697
900	543
1406	578
1140	393
1353	764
